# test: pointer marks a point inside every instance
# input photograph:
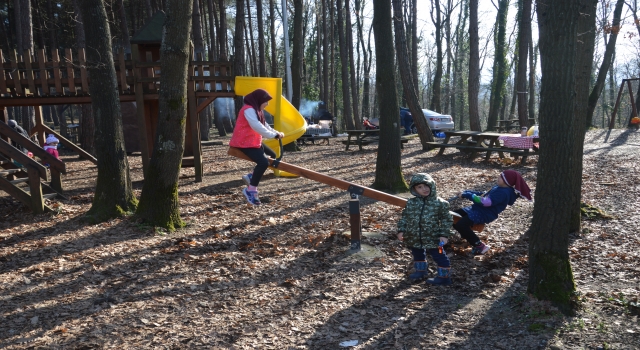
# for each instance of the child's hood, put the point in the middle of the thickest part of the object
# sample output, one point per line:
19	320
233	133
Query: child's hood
422	178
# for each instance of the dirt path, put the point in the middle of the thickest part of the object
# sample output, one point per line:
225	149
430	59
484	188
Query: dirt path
279	277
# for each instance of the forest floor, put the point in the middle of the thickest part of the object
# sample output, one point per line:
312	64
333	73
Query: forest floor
280	276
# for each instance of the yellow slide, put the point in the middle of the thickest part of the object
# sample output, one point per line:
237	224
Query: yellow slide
286	117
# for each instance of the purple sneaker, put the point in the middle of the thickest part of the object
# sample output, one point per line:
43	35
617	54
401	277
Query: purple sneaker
252	196
247	179
480	249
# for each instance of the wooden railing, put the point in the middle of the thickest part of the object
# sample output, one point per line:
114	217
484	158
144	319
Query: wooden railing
34	74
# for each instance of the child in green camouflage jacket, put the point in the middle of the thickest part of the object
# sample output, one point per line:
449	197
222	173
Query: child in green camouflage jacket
425	225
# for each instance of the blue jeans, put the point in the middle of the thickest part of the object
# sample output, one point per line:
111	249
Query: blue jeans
420	254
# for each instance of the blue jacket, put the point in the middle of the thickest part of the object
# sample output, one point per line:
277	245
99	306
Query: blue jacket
500	198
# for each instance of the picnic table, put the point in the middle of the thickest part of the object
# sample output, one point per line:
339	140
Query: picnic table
312	134
360	136
474	142
505	125
370	136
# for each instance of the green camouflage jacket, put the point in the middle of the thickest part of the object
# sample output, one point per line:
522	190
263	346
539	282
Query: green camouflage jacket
425	219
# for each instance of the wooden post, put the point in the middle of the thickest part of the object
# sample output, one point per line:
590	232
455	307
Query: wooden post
29	73
83	71
354	222
55	58
43	73
68	61
39	125
3	83
16	74
35	190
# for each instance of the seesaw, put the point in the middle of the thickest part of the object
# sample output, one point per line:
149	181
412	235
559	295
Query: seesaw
353	189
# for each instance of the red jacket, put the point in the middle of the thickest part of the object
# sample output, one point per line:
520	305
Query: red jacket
243	135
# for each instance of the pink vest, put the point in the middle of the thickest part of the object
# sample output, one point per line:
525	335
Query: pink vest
243	135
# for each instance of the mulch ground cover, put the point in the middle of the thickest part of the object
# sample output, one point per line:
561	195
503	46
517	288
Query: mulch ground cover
280	276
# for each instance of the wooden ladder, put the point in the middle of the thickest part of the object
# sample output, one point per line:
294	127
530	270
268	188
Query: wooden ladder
22	180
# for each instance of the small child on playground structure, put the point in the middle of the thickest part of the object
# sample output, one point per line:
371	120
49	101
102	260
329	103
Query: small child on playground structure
52	146
250	128
425	225
488	205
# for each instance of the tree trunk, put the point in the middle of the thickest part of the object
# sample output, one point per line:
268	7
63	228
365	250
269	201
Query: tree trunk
251	48
222	31
474	66
523	50
87	121
437	78
388	163
584	67
606	60
159	204
500	71
198	43
533	63
24	28
297	54
414	43
113	195
344	63
124	28
262	64
325	53
410	91
213	46
238	46
563	65
352	69
366	65
272	31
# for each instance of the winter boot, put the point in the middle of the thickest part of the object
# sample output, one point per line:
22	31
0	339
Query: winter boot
480	249
420	270
444	277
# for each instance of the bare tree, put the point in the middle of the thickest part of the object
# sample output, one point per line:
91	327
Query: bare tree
388	164
159	203
262	64
500	71
272	31
567	32
410	91
87	122
113	195
609	51
523	51
297	54
222	30
437	79
474	66
344	60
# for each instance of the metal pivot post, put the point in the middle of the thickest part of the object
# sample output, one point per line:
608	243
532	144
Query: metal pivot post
354	217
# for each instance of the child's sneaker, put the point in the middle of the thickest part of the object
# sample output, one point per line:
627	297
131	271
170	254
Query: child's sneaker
247	179
480	249
252	196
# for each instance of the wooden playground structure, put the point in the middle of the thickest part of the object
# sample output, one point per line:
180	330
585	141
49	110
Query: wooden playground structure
46	78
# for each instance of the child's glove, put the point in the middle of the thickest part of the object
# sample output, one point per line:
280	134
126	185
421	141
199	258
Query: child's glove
468	195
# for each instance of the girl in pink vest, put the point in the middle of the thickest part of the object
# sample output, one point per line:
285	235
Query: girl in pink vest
52	146
247	136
